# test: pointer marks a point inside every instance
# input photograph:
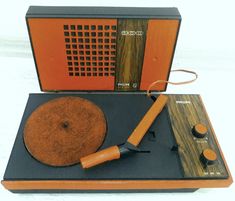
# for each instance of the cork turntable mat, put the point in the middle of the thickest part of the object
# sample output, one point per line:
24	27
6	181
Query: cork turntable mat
61	131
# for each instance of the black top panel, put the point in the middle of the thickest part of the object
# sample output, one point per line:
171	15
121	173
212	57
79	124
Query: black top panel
123	112
103	12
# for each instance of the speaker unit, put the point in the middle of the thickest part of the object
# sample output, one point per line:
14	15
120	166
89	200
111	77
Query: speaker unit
102	48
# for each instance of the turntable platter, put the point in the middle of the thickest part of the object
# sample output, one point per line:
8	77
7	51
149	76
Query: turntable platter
61	131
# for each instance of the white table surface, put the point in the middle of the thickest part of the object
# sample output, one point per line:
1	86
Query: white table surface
216	69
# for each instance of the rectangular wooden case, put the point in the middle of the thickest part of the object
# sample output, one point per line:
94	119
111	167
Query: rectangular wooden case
102	48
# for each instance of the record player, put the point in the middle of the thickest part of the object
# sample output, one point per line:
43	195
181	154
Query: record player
94	129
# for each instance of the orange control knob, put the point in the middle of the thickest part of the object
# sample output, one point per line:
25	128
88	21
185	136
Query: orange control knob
208	156
199	130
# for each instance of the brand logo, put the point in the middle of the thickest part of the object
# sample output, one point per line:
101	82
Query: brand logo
132	33
183	102
123	84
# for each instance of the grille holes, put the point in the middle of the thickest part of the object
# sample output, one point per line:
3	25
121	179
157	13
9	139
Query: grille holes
66	27
106	27
74	46
66	33
72	27
90	49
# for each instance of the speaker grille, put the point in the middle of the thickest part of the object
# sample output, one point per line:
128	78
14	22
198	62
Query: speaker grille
90	49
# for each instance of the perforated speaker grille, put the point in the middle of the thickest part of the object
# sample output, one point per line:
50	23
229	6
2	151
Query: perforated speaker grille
90	49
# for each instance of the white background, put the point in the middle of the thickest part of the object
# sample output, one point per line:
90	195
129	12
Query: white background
206	44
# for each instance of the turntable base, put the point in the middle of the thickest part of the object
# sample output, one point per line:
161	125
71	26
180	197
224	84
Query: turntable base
175	161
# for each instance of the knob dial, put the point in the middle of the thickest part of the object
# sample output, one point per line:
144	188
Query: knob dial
208	157
199	130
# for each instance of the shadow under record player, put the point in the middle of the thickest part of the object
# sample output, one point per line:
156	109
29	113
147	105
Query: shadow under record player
110	141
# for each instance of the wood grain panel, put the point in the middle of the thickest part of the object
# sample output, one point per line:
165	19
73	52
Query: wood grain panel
130	52
185	111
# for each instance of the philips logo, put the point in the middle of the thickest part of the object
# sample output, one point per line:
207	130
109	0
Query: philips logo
132	33
123	84
183	102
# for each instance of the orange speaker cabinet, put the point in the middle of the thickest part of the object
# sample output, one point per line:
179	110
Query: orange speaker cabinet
102	48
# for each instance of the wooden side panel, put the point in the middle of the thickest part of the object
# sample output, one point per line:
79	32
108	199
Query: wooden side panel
130	51
160	43
74	54
185	111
